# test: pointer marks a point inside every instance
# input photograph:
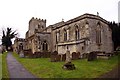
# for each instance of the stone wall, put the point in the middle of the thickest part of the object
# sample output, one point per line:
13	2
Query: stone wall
44	37
80	35
36	25
87	31
17	43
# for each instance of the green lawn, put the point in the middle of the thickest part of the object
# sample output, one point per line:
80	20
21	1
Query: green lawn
43	68
0	65
5	73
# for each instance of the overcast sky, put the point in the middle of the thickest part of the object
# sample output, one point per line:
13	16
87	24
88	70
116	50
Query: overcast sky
17	13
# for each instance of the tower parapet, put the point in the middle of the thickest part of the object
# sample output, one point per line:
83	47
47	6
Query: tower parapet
37	19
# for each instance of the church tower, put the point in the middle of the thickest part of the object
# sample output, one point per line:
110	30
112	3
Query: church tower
36	25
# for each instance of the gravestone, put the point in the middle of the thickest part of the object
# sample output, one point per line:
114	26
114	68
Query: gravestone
75	55
85	55
30	54
68	64
92	56
36	54
58	57
54	56
21	50
27	52
21	54
63	57
68	58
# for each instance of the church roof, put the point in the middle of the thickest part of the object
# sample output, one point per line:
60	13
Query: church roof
86	15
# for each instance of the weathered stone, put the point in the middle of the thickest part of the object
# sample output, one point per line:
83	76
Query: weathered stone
68	58
92	56
27	52
17	43
84	34
55	57
52	58
63	57
68	66
58	57
21	54
75	55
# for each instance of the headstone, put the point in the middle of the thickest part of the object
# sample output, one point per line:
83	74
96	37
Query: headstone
36	54
21	51
92	56
85	55
54	56
68	65
58	57
68	59
21	54
63	57
26	53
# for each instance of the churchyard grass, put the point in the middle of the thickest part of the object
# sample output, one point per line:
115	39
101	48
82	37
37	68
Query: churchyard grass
43	68
5	73
0	65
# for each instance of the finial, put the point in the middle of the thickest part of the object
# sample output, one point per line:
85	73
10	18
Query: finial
97	13
62	19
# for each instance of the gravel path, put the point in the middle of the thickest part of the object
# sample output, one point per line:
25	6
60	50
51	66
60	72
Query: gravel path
16	70
114	73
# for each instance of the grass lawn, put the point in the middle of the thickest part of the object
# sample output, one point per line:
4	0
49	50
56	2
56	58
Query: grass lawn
43	68
0	65
5	73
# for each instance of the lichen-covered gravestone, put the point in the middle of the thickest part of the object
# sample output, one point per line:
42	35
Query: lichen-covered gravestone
68	64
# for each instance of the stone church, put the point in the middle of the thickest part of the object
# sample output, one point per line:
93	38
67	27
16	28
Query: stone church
84	34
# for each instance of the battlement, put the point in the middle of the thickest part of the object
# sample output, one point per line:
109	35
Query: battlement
37	19
20	39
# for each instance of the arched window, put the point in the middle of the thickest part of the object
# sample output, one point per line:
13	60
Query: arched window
98	34
45	46
85	31
77	34
65	35
57	36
